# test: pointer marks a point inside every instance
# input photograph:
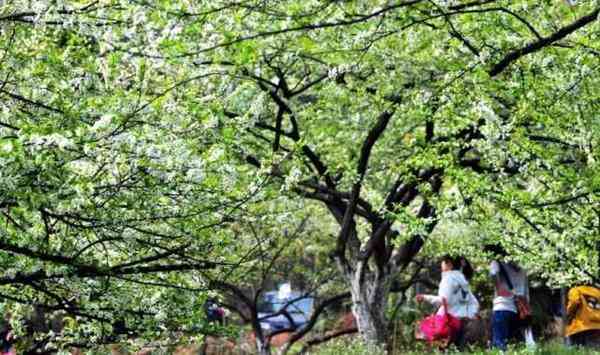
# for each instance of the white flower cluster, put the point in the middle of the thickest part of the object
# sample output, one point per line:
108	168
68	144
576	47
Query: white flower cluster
292	178
447	3
50	141
103	122
334	72
196	171
83	167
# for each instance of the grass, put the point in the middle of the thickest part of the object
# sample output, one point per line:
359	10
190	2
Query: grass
354	347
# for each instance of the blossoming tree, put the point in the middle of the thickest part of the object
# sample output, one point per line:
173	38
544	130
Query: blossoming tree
397	116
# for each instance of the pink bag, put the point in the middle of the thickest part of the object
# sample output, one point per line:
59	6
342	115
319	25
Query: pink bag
440	327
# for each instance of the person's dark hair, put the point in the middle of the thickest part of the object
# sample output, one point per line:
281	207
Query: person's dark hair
466	268
461	264
451	260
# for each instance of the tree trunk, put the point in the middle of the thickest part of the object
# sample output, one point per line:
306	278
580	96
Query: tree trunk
261	340
370	291
262	347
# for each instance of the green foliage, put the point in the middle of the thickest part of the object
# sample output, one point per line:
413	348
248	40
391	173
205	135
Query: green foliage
350	347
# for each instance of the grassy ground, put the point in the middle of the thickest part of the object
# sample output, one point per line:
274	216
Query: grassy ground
356	348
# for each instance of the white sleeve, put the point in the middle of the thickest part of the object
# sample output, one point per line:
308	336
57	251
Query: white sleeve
442	293
446	288
494	268
433	299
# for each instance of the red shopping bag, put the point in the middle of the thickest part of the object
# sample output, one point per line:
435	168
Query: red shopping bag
440	327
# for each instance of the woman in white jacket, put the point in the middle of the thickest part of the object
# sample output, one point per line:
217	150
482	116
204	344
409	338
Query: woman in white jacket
454	288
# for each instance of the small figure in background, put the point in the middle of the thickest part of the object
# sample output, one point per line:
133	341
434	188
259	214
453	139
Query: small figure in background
214	313
7	339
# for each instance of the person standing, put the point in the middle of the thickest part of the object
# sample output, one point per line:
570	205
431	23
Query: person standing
510	282
213	312
455	292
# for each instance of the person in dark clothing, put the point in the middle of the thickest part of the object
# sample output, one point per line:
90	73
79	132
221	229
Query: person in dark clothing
214	313
6	340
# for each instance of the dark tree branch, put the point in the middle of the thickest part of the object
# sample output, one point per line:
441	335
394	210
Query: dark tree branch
278	123
300	333
30	102
412	247
307	27
471	4
563	201
309	85
538	138
526	220
348	220
543	42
